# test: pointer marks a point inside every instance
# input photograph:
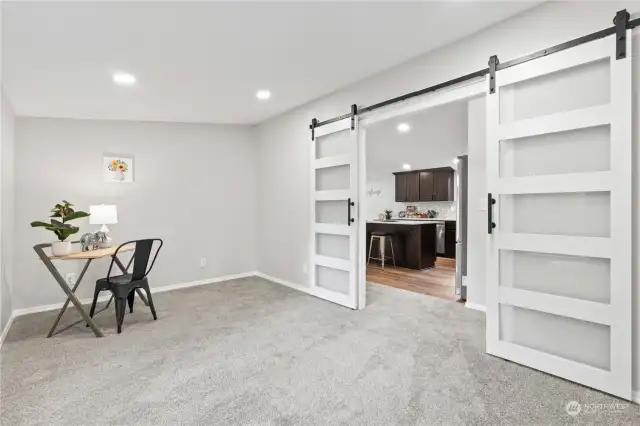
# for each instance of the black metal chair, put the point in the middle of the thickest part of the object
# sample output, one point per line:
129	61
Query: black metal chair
123	286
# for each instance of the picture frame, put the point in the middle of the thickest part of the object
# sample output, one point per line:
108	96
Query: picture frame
118	168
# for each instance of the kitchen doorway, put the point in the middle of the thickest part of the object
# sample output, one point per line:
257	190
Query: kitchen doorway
415	201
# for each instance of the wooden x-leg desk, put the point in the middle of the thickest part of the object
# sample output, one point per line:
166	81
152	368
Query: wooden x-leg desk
89	256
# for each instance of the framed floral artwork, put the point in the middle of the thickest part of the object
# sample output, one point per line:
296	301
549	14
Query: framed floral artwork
118	169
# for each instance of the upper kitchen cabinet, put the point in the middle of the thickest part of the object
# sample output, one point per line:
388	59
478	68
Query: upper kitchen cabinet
401	187
413	187
425	185
443	185
407	187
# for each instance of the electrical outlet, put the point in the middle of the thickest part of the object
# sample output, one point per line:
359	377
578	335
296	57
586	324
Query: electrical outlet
203	262
71	278
304	268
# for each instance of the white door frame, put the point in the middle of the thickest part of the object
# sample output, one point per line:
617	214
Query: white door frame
464	91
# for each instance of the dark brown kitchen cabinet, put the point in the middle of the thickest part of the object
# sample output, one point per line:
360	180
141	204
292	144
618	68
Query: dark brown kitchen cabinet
413	187
407	187
425	185
401	187
443	185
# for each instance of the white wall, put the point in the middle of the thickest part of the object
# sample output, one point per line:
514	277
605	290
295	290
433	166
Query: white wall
437	136
284	141
195	187
6	211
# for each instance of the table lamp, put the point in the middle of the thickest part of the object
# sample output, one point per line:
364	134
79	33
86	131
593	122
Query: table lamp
103	215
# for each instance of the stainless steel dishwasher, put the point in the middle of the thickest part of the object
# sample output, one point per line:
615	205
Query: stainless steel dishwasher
440	237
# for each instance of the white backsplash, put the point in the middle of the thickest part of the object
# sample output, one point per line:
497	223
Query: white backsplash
446	209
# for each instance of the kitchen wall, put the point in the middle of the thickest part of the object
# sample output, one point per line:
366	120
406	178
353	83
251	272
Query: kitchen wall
437	136
284	140
6	210
195	187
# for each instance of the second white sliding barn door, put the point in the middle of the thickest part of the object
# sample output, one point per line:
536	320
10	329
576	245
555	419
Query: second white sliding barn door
559	258
333	272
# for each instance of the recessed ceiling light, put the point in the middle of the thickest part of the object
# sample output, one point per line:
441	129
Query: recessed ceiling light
403	127
263	95
124	79
406	166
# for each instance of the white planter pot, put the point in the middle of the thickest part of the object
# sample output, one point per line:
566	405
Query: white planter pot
61	248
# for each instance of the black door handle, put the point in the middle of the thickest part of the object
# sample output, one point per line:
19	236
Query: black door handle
350	220
490	202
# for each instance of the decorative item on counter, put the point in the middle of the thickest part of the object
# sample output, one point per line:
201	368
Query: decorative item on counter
432	213
388	214
381	216
89	241
93	241
61	228
103	239
402	214
411	210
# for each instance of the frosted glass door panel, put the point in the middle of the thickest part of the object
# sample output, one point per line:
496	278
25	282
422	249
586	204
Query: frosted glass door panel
556	153
575	340
333	212
333	246
567	90
584	278
333	178
574	214
332	279
332	144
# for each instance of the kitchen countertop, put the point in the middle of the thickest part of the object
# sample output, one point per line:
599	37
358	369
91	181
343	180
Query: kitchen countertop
424	219
404	222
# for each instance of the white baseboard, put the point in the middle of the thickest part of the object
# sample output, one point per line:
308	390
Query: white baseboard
154	290
476	307
308	290
171	287
284	283
7	327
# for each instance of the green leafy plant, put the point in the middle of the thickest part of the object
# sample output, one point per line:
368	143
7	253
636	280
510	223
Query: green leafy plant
387	214
61	214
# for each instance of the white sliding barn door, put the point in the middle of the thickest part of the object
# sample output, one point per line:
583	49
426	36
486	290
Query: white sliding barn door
559	258
334	205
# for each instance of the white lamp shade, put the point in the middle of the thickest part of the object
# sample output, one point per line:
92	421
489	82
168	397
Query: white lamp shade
103	215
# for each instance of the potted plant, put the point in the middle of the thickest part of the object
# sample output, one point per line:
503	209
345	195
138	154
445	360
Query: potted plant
387	214
61	214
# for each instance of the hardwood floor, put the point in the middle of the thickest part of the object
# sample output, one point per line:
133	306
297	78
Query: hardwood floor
438	281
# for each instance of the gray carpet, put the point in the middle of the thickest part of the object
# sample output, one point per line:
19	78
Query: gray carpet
252	352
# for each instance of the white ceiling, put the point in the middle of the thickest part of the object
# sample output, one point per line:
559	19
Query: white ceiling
203	62
437	136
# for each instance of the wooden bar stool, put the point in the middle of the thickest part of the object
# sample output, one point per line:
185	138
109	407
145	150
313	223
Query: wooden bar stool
382	238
